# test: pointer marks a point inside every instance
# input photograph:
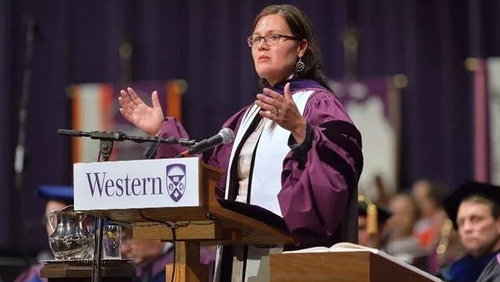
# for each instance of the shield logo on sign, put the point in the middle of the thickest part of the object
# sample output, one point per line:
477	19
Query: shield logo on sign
176	181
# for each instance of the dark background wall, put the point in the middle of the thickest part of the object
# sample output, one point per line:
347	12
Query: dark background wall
203	42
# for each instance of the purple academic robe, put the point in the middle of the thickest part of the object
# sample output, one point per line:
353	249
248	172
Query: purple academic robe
318	197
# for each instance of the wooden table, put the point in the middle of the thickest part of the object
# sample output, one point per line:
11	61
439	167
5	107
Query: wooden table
119	271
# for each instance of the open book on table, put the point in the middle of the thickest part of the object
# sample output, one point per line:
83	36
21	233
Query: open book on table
350	247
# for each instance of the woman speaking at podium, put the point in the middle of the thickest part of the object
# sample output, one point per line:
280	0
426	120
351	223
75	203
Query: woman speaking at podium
296	151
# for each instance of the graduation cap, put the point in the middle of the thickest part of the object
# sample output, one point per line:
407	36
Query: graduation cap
59	193
468	189
376	215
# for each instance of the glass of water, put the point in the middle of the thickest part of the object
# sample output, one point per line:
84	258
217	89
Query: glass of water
111	241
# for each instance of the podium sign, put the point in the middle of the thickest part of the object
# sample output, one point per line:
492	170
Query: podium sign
161	183
193	219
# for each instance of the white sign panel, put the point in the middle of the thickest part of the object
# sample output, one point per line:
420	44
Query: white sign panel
136	184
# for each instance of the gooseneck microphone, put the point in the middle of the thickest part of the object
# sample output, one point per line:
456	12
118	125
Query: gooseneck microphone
225	136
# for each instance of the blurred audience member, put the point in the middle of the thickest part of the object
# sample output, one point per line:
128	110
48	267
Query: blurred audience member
428	195
371	222
150	257
402	244
475	209
57	198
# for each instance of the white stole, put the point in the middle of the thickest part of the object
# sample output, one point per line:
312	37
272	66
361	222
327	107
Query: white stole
265	183
271	150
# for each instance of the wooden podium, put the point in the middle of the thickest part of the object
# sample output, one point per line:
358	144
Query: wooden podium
207	224
345	266
77	272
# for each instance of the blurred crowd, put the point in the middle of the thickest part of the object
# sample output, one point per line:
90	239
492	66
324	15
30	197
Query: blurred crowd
453	236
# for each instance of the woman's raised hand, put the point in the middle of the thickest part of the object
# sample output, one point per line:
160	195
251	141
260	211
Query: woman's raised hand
283	110
146	118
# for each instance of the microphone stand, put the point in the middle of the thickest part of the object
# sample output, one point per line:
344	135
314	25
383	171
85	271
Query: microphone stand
121	136
105	148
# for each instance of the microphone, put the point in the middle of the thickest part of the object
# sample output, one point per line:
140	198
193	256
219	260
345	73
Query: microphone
71	132
225	136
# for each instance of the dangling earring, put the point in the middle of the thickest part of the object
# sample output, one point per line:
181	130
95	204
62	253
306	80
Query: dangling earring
300	66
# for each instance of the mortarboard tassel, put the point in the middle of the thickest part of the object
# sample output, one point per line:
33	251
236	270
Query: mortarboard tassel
371	215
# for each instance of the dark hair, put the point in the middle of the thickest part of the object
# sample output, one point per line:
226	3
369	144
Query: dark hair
301	27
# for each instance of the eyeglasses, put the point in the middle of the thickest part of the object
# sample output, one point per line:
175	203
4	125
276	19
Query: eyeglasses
270	39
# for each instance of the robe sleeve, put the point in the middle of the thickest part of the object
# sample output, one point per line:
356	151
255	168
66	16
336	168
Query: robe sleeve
315	190
171	127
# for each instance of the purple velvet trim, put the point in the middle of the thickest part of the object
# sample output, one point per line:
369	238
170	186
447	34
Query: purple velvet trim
297	84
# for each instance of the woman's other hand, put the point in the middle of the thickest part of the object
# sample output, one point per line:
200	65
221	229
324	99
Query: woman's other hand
148	119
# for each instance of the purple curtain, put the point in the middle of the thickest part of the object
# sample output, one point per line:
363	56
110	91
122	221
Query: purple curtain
427	42
203	42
